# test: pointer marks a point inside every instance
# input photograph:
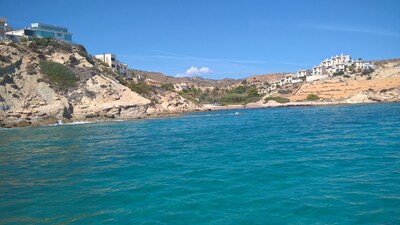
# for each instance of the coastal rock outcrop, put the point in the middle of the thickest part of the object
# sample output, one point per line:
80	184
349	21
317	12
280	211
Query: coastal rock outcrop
29	96
390	95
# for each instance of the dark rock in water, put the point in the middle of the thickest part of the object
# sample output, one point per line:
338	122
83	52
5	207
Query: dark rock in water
22	123
67	113
92	115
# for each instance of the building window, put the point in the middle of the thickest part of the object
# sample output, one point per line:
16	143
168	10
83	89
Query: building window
67	37
43	34
59	34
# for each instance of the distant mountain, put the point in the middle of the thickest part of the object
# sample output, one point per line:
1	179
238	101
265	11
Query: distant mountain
197	81
271	77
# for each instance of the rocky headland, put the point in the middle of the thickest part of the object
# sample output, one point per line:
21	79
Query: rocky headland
33	91
45	81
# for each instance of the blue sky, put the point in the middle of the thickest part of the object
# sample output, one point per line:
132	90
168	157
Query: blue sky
219	38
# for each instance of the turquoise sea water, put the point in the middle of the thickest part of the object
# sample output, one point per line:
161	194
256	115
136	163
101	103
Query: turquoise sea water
304	165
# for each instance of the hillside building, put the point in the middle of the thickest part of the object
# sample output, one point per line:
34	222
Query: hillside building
113	63
182	86
41	30
319	70
4	28
303	73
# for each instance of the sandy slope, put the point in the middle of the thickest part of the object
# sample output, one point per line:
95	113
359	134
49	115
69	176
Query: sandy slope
342	88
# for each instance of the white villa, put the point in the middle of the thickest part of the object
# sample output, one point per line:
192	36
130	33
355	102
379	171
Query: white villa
182	86
303	73
337	64
41	30
326	69
362	66
112	62
288	79
334	65
319	70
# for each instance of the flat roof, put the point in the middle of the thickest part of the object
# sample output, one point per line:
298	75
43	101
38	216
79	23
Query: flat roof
105	54
50	25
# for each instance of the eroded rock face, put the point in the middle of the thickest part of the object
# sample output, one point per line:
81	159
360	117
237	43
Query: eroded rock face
391	95
27	99
171	102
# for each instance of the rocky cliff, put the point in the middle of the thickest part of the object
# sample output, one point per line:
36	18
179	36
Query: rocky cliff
34	88
45	81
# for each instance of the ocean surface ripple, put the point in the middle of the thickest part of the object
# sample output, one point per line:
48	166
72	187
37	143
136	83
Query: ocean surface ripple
301	165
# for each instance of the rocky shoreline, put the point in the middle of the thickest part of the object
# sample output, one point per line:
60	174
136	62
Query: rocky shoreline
25	118
32	122
77	88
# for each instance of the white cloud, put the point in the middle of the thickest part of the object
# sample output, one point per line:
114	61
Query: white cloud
194	71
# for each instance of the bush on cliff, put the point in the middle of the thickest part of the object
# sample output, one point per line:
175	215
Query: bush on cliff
312	97
58	74
284	91
367	71
252	99
338	73
44	42
168	87
242	94
233	98
140	88
10	69
278	99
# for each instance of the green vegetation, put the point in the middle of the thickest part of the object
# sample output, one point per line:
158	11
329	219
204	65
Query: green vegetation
211	96
168	87
5	59
312	97
252	92
10	68
338	73
58	74
284	91
23	39
192	94
30	69
102	63
6	79
367	71
73	61
242	94
140	88
233	98
82	52
252	99
277	99
122	81
45	42
189	97
352	68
